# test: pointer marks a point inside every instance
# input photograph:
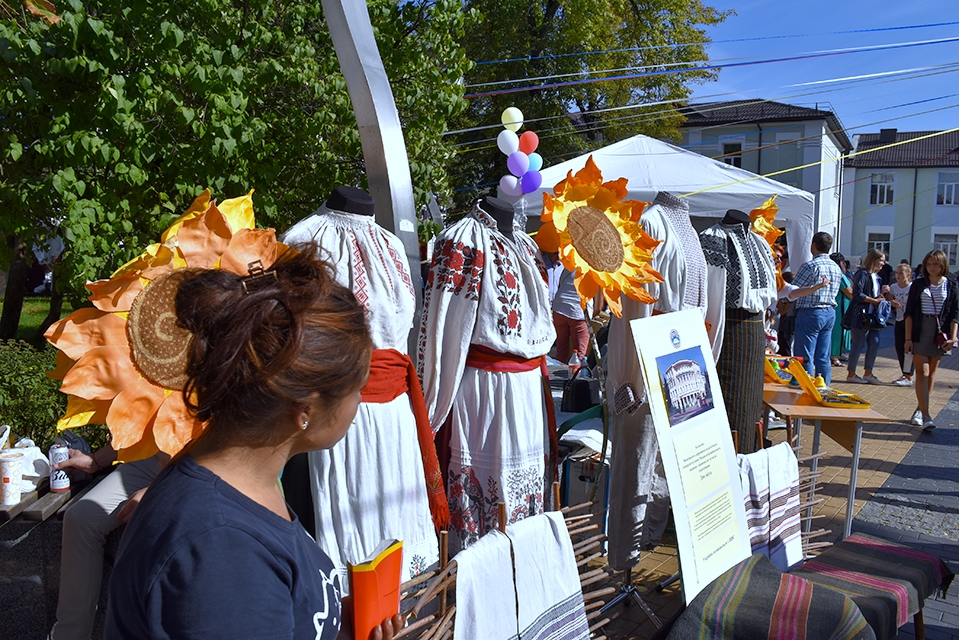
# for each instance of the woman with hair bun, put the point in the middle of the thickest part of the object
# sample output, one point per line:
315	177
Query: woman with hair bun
275	367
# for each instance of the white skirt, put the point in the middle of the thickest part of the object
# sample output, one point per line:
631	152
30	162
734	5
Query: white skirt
370	487
498	445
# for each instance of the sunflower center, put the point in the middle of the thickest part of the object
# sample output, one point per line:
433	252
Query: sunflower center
596	239
159	346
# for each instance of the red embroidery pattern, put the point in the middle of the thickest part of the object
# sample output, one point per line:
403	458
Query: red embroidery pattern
456	266
401	268
360	285
510	320
473	509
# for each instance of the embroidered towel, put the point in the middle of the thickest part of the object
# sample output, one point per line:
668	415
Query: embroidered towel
755	480
547	580
785	538
485	595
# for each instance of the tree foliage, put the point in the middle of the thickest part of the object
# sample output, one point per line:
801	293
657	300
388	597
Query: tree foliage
115	116
544	41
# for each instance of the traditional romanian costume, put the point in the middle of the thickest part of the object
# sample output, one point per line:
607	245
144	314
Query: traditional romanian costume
486	328
382	479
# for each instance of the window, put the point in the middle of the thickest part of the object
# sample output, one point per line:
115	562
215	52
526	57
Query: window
879	241
948	192
733	154
948	243
880	192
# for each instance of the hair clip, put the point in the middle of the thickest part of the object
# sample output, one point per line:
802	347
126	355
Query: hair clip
256	271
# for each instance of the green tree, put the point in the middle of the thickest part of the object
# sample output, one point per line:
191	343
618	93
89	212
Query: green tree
114	117
537	37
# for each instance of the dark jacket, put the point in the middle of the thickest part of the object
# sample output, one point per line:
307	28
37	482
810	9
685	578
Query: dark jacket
862	287
948	312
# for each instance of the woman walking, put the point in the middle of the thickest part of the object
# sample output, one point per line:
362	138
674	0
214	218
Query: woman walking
898	295
932	320
840	336
860	317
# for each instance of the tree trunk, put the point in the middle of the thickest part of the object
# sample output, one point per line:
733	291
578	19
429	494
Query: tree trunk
13	298
56	306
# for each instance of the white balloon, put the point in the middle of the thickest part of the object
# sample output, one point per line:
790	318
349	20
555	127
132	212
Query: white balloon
507	141
511	186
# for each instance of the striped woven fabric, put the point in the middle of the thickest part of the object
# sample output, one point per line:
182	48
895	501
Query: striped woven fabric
889	582
770	481
753	601
740	372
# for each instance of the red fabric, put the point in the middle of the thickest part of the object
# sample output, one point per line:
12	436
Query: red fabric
391	375
570	330
480	357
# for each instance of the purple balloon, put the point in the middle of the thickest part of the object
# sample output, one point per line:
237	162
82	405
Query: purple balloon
510	185
517	163
532	181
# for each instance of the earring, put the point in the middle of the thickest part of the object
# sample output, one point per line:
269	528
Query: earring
305	424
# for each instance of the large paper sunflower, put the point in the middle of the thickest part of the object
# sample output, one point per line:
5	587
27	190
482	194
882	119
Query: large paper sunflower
123	361
763	223
599	238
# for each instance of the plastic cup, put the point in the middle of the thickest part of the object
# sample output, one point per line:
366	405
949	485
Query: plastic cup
11	474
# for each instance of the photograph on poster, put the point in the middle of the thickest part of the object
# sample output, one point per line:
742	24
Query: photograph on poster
685	384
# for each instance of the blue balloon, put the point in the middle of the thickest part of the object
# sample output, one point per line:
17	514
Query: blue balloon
535	162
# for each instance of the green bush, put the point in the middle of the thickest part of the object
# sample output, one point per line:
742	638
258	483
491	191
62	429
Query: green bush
30	402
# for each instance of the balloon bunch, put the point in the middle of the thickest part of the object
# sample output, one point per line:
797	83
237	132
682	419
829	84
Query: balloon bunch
521	158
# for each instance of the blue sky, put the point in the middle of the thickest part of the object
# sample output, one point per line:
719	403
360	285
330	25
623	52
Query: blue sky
863	103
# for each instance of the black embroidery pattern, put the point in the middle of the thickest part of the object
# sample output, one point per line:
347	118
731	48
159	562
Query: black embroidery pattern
714	250
524	490
734	276
510	320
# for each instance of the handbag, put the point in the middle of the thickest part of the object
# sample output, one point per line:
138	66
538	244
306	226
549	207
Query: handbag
941	337
580	393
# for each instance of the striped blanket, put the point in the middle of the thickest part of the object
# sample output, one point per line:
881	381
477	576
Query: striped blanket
770	481
888	582
755	601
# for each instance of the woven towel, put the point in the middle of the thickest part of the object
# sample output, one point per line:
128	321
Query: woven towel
547	580
485	595
785	538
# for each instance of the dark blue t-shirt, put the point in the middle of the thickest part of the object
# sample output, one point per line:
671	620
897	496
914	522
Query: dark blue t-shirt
201	560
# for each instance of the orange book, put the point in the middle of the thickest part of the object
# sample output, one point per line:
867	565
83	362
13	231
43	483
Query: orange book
375	587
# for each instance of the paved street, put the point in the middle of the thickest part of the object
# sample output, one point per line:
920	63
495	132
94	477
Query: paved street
908	492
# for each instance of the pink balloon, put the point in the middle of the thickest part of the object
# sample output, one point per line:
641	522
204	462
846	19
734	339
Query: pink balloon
531	181
510	186
517	163
528	142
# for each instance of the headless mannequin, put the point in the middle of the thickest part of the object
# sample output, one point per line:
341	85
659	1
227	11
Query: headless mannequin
735	216
502	212
351	200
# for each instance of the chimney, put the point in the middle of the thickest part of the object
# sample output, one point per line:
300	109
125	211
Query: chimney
887	136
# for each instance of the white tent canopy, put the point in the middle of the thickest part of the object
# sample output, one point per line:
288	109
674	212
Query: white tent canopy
652	166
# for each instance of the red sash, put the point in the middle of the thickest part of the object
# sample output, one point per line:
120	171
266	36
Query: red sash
391	375
480	357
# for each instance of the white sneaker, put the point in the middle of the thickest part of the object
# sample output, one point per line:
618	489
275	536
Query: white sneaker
928	424
903	382
871	379
854	379
917	418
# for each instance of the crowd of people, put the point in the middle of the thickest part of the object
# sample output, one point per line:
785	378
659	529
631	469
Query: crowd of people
828	317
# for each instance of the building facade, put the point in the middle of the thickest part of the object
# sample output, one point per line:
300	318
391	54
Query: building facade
685	384
903	199
771	139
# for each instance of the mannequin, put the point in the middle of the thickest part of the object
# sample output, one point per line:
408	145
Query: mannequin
486	328
375	483
502	212
741	284
639	500
351	200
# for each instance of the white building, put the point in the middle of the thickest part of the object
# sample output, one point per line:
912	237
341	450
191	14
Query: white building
903	200
686	385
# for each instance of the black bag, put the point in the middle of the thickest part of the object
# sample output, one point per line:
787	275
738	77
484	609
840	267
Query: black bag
868	321
580	393
871	321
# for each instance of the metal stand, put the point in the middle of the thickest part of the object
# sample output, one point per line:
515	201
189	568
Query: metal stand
627	592
661	586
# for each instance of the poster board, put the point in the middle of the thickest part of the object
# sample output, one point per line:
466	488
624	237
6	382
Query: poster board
702	473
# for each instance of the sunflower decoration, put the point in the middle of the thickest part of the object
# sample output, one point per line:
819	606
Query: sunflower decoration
763	224
598	237
123	361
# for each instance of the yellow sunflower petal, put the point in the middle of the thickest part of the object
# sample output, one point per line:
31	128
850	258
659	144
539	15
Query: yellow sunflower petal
132	410
81	412
101	374
144	448
115	294
249	245
203	240
200	204
174	426
238	212
85	329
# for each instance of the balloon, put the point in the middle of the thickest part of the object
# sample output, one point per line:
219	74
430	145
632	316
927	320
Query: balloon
535	162
517	163
532	181
528	142
508	142
510	186
512	119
